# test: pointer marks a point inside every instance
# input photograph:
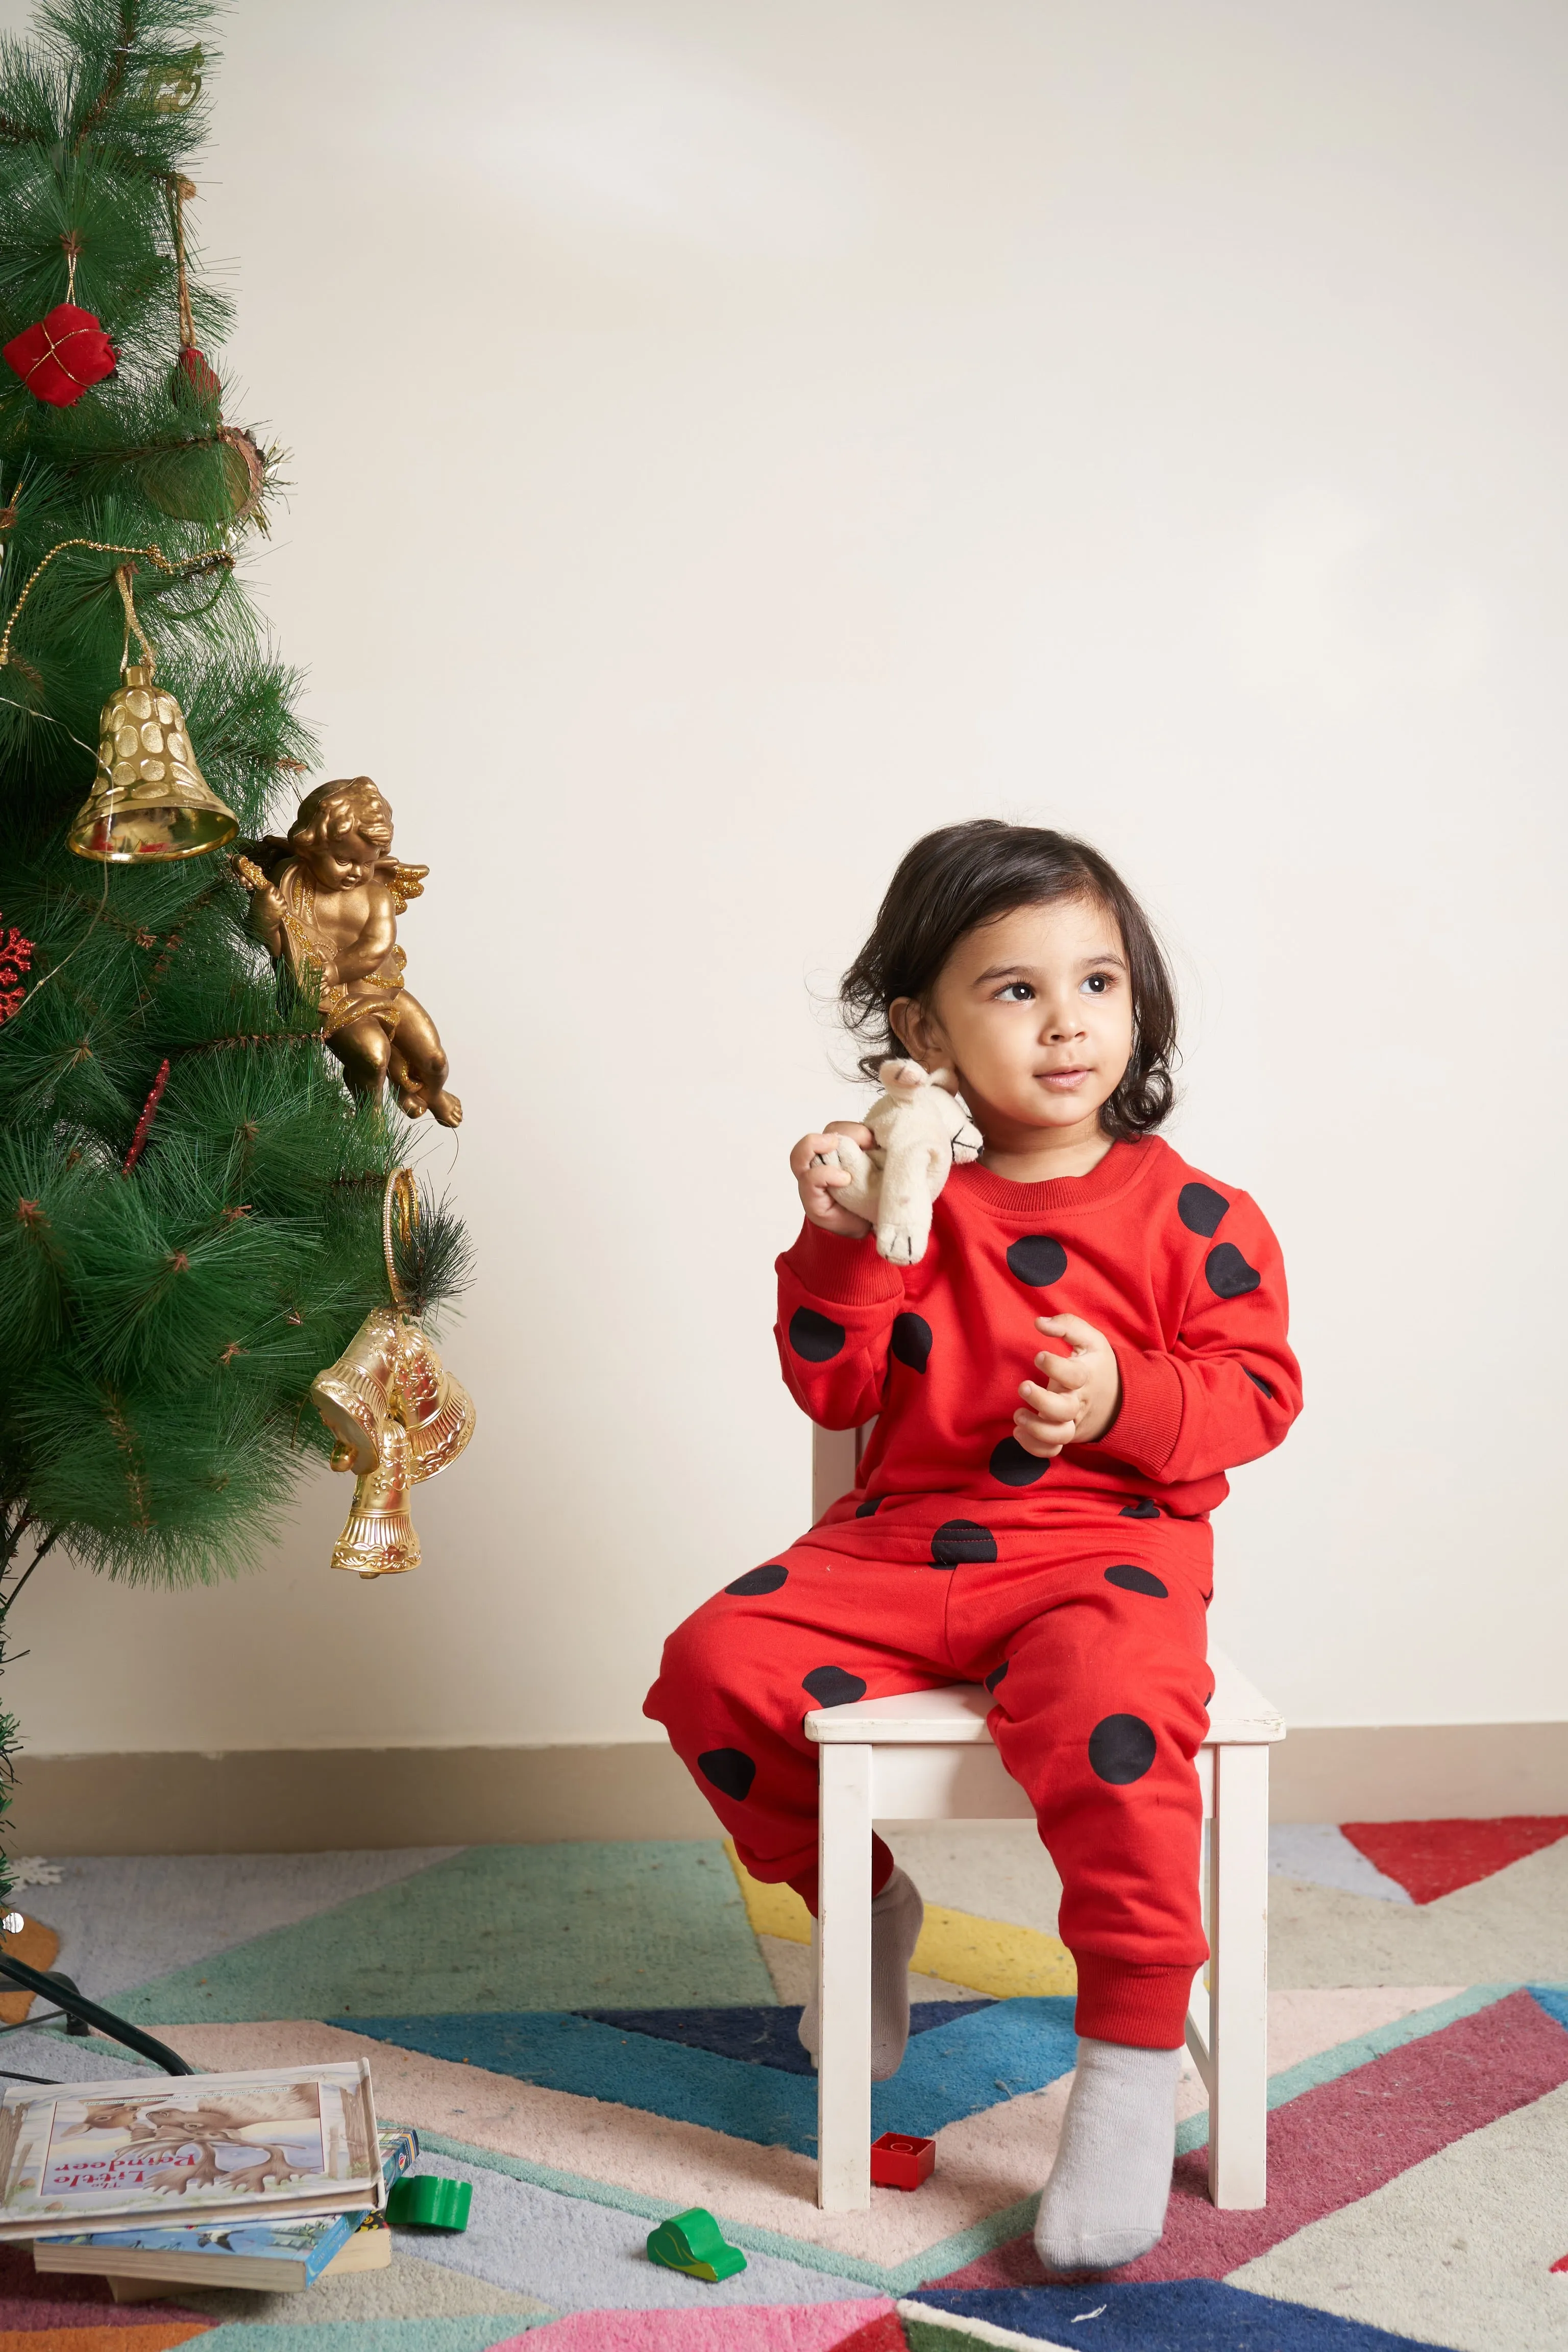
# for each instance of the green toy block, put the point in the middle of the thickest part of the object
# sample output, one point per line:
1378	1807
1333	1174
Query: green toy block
430	2203
694	2243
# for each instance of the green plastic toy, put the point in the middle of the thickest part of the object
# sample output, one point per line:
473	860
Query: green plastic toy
430	2203
694	2243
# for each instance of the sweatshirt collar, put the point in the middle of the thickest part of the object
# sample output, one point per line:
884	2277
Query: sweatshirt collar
1123	1166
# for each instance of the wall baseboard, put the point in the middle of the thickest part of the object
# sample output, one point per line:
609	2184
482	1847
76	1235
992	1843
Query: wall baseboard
1420	1772
316	1800
327	1800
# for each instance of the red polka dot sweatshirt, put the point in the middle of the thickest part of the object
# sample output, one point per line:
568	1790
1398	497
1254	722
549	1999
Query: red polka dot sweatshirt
1181	1272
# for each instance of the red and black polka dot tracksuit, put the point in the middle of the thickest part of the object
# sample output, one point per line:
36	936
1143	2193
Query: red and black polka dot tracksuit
1076	1589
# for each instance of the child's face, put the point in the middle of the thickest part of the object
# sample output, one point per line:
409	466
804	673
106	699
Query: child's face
1033	1014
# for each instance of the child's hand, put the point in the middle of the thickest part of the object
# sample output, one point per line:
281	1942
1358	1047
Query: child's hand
1083	1392
818	1181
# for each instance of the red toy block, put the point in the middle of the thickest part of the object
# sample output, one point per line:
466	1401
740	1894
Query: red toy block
899	2162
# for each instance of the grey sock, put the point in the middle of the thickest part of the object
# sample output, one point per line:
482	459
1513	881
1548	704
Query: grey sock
1105	2201
896	1916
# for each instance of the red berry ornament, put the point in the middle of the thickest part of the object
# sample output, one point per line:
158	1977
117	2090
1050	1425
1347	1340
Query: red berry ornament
58	358
16	962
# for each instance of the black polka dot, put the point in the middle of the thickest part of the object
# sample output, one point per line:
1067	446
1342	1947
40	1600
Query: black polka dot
1229	1275
811	1335
833	1686
1201	1208
1208	1702
760	1580
1121	1748
997	1674
1138	1579
870	1507
911	1341
1015	1467
958	1540
730	1770
1259	1382
1038	1260
1144	1508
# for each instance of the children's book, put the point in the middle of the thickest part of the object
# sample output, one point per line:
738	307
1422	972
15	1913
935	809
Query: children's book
370	2248
278	2143
282	2256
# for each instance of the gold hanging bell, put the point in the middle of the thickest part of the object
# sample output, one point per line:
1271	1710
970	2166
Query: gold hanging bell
353	1396
151	800
379	1539
396	1413
435	1410
390	1369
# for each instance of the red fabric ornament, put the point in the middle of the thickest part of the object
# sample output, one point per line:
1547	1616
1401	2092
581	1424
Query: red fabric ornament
58	358
192	374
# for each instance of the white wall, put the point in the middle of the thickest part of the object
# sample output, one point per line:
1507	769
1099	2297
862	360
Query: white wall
731	437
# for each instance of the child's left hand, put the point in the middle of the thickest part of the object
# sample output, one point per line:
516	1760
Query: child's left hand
1083	1392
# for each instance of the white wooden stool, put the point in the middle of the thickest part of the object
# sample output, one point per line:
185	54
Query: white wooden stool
928	1756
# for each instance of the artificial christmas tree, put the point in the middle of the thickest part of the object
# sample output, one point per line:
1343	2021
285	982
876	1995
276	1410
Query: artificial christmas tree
190	1196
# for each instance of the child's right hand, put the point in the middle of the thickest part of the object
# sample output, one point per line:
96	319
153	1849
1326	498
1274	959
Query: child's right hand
818	1178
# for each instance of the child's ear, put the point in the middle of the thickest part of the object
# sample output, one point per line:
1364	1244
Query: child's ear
907	1025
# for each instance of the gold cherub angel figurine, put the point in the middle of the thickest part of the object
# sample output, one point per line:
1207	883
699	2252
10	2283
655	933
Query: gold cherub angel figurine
325	902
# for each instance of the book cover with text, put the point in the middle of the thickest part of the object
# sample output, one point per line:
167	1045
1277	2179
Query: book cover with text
282	2255
277	2139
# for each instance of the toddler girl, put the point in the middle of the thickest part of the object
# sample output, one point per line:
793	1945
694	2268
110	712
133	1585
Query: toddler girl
1036	1518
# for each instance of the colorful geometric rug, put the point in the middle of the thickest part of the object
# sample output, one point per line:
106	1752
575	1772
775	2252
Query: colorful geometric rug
596	2036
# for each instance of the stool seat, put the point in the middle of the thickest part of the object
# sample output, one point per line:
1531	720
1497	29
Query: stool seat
954	1715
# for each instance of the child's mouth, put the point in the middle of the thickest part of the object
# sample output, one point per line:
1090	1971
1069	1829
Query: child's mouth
1062	1079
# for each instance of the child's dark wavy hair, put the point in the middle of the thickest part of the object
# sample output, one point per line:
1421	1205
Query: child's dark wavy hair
965	874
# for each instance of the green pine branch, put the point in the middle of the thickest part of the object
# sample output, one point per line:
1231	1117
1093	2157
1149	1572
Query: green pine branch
190	1199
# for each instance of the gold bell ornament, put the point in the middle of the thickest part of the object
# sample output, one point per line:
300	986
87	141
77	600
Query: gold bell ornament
398	1414
151	800
380	1539
353	1396
435	1410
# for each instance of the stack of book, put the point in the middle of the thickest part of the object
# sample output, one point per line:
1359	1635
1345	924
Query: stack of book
265	2180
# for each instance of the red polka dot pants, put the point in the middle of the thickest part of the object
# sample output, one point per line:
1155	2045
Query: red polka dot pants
1091	1636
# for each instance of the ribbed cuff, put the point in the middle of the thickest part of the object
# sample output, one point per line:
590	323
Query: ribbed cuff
850	1274
1148	1420
1124	2001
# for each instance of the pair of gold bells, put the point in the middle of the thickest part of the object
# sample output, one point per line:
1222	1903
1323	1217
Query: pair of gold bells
398	1414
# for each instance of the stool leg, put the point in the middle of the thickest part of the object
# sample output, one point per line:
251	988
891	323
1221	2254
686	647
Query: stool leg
1239	1935
844	1985
1200	2000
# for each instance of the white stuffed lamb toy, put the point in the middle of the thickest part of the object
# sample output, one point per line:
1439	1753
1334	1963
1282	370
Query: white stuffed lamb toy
920	1131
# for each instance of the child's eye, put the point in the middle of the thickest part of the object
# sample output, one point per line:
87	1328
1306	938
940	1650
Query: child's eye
1018	991
1098	983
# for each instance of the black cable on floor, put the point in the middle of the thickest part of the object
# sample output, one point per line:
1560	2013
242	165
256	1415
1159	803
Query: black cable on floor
75	2004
